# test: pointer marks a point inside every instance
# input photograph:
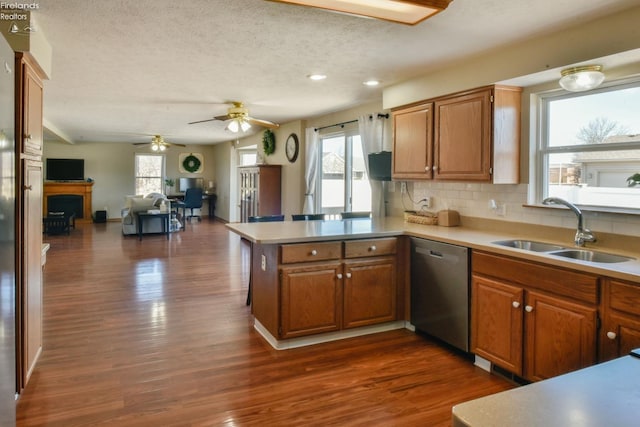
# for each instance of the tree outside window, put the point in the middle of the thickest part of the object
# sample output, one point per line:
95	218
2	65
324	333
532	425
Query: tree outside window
149	173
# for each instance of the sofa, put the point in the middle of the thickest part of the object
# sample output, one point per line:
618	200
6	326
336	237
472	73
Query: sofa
139	203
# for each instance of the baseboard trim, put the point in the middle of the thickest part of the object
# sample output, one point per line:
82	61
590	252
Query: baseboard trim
326	337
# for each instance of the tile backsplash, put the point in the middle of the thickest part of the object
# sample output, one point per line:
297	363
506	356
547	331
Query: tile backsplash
474	200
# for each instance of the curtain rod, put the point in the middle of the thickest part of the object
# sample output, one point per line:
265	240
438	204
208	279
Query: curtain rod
380	116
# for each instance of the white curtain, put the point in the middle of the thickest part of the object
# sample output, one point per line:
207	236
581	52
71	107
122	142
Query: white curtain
311	170
371	129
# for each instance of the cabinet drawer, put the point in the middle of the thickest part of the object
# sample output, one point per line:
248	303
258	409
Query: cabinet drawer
568	283
624	297
306	252
369	247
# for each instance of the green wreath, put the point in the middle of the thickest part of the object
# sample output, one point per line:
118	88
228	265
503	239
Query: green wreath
268	142
191	163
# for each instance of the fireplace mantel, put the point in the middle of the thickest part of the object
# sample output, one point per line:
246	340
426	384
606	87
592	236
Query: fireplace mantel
82	188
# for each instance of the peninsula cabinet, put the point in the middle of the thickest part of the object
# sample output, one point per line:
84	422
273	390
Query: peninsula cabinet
620	332
413	142
533	320
471	136
328	286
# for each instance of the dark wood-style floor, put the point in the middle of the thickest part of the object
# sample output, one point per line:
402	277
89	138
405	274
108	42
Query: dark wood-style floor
156	333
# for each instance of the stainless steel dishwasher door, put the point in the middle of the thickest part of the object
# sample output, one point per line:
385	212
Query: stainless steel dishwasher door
440	291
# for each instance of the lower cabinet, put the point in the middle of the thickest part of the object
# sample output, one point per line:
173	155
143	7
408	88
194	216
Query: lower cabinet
533	320
322	290
620	332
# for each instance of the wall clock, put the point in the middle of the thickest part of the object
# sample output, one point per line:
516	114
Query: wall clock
292	147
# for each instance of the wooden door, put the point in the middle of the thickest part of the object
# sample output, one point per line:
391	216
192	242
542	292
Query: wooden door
369	291
413	142
462	137
32	111
561	336
311	299
31	266
497	323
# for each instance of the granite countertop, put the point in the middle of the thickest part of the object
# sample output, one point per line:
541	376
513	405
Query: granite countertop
601	395
471	237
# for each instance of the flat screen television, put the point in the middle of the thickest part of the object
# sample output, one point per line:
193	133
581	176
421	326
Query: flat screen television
185	183
380	166
65	170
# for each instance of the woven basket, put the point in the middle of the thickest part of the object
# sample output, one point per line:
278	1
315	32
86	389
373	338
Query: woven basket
421	218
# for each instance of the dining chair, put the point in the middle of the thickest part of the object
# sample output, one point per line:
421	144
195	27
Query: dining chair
307	217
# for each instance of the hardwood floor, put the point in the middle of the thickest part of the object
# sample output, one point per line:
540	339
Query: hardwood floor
156	333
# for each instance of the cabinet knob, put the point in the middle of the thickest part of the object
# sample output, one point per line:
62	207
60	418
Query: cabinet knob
373	248
611	335
435	168
28	136
515	304
339	276
427	168
348	275
314	252
528	308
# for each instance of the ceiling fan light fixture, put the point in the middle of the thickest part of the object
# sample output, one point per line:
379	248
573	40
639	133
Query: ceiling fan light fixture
154	146
245	126
233	126
408	12
582	78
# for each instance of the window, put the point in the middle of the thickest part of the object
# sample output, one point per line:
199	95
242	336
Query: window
343	184
149	173
248	156
590	148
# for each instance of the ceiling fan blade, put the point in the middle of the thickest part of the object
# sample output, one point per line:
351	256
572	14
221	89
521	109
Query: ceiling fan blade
202	121
223	118
177	145
263	123
141	143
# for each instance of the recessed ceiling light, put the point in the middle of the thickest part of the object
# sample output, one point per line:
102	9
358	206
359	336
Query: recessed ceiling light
317	76
371	82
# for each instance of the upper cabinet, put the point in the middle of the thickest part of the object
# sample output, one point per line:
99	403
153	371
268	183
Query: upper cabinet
412	142
472	136
29	98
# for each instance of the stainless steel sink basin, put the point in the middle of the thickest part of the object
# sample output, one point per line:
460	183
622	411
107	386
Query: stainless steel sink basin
529	245
591	256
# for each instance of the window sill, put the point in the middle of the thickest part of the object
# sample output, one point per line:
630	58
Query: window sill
586	208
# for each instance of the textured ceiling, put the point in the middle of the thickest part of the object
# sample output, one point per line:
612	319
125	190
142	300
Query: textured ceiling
126	68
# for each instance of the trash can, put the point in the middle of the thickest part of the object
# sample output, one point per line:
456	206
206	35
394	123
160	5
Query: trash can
100	216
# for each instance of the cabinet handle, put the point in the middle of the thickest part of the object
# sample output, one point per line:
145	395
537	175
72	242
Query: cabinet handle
314	252
348	275
27	136
528	308
373	248
339	276
27	187
611	335
515	304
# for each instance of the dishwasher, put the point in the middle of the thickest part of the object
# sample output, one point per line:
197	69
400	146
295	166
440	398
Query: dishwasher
440	291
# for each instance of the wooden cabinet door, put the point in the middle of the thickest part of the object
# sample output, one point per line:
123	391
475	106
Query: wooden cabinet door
413	142
369	291
497	323
311	299
31	266
462	137
32	111
561	336
620	332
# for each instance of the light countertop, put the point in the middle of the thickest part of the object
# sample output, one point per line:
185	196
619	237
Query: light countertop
471	237
601	395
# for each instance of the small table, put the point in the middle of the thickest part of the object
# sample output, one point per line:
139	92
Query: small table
143	216
176	205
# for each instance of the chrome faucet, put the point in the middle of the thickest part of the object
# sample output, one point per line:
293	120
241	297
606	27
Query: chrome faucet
582	234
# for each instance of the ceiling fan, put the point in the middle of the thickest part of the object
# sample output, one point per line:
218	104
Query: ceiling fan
159	144
239	119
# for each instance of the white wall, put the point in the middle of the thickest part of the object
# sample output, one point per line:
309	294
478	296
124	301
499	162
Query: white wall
111	166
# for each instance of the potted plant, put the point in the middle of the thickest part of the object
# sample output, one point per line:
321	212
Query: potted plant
169	183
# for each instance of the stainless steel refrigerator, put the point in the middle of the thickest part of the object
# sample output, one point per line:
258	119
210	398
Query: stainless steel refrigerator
7	238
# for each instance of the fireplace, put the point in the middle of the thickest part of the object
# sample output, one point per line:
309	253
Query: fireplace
62	196
66	203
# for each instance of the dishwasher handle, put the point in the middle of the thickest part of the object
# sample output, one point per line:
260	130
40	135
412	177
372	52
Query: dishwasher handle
430	252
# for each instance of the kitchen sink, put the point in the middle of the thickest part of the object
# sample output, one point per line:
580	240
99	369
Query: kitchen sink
529	245
591	256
